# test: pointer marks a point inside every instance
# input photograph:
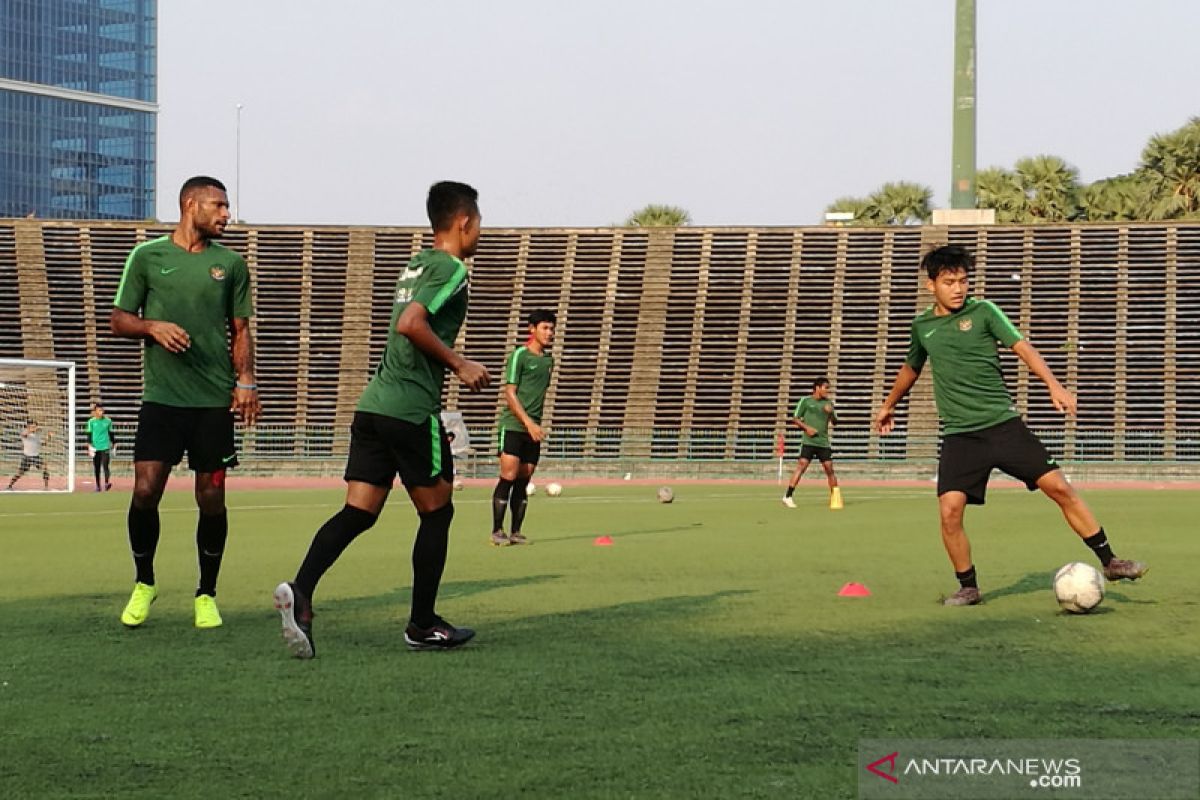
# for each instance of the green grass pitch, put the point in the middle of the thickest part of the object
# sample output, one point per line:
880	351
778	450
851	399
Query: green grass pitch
705	654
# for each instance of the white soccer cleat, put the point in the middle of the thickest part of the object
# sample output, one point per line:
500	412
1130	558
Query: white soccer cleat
789	502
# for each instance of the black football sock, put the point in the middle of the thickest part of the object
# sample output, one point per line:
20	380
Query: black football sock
428	561
1098	541
791	490
211	531
500	503
334	536
143	541
519	502
96	459
967	579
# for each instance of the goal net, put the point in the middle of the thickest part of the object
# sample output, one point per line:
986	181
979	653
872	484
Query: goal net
37	434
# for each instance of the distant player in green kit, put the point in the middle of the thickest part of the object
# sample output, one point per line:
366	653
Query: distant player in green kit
813	415
520	436
100	441
397	431
189	300
957	335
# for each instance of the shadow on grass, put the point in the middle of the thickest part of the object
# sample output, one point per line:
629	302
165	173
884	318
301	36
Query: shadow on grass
1040	581
620	534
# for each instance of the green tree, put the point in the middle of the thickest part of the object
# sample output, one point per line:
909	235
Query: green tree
1171	167
659	216
900	203
998	188
1051	188
860	207
1120	198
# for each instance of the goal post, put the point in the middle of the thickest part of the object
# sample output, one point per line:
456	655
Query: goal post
37	425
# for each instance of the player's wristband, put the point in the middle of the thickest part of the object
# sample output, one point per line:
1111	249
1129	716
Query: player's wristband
249	386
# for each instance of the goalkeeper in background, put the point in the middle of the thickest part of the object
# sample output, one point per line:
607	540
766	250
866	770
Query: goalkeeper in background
31	454
100	443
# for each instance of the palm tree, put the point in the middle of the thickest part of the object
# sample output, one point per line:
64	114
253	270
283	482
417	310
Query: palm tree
1171	165
901	203
1051	188
659	216
1120	198
996	187
860	207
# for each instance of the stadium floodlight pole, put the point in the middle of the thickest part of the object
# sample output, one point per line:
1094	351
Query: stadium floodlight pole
962	173
237	169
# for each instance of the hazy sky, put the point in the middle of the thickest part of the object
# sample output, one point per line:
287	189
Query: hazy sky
576	112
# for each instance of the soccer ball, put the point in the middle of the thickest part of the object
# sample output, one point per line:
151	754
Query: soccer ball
665	494
1078	587
554	489
458	484
530	489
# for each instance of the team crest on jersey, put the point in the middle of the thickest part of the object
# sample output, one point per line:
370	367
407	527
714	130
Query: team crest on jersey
964	325
216	272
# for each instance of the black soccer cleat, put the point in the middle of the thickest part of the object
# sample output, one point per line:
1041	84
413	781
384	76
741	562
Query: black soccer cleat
297	615
441	635
966	596
1124	569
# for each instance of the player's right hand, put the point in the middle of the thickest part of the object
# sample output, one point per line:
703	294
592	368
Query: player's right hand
473	375
170	336
885	419
536	432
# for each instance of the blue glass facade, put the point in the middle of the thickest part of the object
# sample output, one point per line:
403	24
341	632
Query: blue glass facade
77	113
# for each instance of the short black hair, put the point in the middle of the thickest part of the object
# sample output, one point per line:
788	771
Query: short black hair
97	405
199	182
449	200
542	315
949	258
821	381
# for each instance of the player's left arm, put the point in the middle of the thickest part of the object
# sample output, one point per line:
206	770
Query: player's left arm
1063	400
246	400
1000	326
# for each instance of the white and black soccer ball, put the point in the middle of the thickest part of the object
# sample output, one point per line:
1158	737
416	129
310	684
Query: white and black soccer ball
1078	587
530	489
553	489
458	484
665	494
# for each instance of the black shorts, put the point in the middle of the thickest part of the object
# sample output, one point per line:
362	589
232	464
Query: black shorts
521	445
968	459
164	433
31	462
812	452
383	447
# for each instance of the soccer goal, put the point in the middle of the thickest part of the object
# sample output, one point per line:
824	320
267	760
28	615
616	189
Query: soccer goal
37	425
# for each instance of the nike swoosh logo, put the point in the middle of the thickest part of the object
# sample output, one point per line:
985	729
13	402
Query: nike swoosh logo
227	459
166	271
931	333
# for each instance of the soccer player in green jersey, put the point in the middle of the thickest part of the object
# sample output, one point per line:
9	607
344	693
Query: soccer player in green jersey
526	378
397	431
983	429
189	300
100	440
813	415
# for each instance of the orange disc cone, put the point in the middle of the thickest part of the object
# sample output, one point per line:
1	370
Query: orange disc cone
603	541
854	590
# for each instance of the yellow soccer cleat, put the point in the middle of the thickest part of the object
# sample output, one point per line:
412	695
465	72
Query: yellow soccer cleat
835	499
138	607
207	615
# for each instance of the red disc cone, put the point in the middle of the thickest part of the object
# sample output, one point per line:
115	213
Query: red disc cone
603	541
854	590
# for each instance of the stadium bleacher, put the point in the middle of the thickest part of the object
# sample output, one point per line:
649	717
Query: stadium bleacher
672	343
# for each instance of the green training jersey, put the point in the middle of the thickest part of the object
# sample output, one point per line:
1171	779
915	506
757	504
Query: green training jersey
815	414
199	292
407	385
530	373
968	383
100	432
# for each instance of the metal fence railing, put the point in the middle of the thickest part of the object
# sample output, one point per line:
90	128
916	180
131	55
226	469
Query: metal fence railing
284	443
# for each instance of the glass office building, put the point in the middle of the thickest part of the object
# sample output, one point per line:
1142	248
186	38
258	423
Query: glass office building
77	108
